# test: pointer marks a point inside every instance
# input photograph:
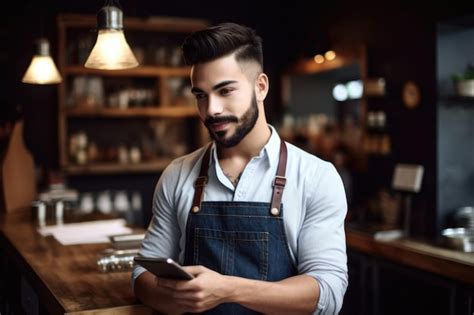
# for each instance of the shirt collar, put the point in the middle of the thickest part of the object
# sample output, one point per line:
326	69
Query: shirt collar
271	150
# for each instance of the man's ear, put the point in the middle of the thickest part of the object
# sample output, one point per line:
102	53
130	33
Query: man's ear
261	87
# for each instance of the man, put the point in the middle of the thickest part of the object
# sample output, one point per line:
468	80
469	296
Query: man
257	221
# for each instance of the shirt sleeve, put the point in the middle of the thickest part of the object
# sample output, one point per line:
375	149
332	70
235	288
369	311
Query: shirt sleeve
321	241
162	236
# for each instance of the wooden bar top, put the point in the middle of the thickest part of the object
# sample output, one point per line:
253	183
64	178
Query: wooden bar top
66	278
424	255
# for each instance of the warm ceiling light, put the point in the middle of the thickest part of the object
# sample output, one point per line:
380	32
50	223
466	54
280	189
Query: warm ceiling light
42	69
330	55
111	51
318	59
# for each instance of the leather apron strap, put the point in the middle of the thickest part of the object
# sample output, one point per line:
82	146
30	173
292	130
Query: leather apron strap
280	180
201	181
278	183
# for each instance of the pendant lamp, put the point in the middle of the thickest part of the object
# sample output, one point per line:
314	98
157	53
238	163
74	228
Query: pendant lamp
42	69
111	51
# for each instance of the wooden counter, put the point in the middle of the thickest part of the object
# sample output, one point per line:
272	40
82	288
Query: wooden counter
66	279
419	254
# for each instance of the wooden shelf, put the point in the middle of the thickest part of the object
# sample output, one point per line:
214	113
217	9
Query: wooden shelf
460	99
115	168
161	112
140	71
158	23
456	101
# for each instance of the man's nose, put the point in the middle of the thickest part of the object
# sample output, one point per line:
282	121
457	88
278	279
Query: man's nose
215	106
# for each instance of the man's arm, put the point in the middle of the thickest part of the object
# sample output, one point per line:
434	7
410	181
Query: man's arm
294	295
321	240
162	240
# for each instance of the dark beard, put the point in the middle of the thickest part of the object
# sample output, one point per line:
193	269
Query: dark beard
247	122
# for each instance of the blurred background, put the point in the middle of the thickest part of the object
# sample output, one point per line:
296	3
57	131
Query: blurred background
401	55
383	90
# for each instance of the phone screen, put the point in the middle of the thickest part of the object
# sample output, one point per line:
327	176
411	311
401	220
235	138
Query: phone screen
163	267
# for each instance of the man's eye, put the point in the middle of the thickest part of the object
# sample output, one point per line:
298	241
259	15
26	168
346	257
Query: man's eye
200	96
225	91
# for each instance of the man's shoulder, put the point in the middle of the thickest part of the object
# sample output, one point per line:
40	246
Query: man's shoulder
309	166
313	170
304	158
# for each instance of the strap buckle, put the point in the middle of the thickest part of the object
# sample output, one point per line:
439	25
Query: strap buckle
279	181
201	181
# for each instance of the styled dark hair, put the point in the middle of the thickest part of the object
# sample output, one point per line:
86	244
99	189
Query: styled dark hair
220	40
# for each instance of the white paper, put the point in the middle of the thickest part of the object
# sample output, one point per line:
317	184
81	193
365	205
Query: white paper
86	232
387	236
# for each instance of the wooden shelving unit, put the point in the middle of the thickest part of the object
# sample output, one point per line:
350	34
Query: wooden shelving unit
140	71
148	31
306	76
147	112
114	168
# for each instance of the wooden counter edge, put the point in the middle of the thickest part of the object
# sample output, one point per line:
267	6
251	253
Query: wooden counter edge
119	310
44	294
398	254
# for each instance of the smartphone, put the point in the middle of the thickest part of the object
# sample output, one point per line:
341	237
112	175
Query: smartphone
163	267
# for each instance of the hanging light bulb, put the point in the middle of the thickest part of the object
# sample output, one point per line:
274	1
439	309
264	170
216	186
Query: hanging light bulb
330	55
42	69
111	51
319	59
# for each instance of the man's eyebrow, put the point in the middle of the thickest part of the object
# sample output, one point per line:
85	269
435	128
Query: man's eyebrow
224	83
195	90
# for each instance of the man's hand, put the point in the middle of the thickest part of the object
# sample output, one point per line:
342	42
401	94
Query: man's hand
207	290
294	295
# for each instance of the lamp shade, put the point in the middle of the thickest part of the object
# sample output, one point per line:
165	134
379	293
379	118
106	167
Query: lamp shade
111	51
42	69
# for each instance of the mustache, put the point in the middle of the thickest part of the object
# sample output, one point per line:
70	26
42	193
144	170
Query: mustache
220	119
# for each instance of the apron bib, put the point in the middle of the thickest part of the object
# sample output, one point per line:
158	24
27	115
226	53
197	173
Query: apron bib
244	239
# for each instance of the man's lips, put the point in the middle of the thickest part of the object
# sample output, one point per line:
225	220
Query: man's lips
219	126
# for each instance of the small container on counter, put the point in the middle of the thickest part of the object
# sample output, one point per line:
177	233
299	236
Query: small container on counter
116	260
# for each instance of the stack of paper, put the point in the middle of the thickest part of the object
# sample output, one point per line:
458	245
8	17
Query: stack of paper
86	232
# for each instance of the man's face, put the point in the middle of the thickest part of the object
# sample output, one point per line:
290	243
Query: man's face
226	99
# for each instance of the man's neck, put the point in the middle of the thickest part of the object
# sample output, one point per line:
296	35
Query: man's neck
234	160
250	146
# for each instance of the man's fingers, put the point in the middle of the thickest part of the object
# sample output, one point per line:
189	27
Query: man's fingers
174	285
194	270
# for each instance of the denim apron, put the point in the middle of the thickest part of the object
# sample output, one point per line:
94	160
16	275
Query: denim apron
244	239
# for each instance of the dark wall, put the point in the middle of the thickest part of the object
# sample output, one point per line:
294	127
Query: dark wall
455	121
401	45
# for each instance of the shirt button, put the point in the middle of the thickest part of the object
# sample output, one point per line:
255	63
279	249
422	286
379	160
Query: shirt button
274	211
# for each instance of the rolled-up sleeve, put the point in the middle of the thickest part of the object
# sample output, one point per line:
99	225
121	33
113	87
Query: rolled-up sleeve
162	236
321	241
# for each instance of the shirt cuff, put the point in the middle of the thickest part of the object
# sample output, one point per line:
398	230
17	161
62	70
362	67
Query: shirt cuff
136	272
322	301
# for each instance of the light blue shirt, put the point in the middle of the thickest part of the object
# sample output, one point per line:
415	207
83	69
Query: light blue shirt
314	204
